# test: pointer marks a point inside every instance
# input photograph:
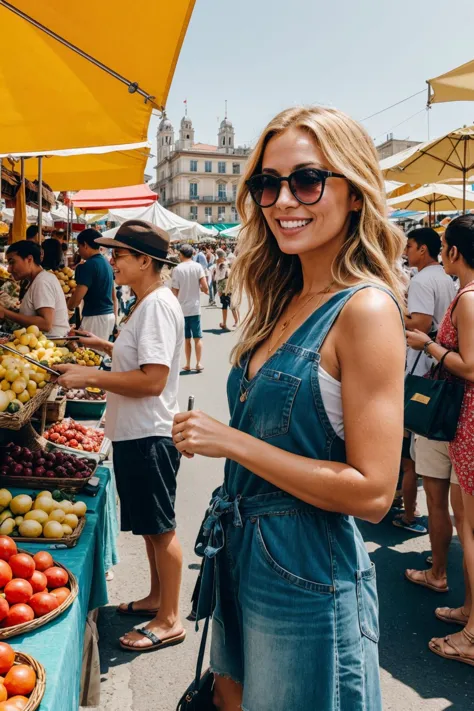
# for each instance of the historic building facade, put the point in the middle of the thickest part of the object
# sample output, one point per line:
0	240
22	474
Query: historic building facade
195	180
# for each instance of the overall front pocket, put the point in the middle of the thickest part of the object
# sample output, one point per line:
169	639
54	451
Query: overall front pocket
270	402
367	601
279	567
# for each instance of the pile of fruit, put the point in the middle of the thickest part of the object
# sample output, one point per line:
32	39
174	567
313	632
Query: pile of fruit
21	461
30	341
66	279
86	394
17	681
45	517
84	356
32	585
4	274
70	433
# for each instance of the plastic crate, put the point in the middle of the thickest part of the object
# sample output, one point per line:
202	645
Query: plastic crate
88	409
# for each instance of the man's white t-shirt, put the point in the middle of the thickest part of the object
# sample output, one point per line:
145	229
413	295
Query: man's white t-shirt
430	292
186	278
154	335
45	292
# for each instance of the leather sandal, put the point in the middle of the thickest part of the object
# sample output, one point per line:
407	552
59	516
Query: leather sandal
156	643
446	614
457	656
425	583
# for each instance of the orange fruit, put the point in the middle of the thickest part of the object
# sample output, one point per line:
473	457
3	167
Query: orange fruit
19	702
21	679
7	657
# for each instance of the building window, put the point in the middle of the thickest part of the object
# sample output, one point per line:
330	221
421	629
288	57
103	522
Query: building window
221	166
234	214
193	190
221	191
193	166
221	213
234	192
194	212
236	168
208	166
208	211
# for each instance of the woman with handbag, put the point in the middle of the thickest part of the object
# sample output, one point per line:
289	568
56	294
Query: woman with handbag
316	402
454	346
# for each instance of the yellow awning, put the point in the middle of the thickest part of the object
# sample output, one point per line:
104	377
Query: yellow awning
456	85
51	97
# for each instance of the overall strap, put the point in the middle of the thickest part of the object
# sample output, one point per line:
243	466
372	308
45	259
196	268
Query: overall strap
320	323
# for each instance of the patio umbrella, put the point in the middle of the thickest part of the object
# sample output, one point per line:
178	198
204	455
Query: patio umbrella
450	156
434	197
455	85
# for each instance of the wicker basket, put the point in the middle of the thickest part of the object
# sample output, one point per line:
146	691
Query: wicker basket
20	418
56	409
68	541
38	692
40	621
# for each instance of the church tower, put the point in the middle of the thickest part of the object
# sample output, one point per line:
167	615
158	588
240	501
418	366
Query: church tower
226	135
165	139
186	134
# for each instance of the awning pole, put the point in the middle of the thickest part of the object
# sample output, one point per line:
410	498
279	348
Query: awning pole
464	176
40	199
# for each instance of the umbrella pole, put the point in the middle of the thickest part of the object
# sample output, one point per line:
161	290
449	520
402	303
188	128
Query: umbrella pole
464	175
40	199
429	213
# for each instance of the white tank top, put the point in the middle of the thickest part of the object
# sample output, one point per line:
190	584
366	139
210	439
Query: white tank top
332	401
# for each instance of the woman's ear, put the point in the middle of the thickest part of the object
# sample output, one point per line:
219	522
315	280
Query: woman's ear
356	202
453	254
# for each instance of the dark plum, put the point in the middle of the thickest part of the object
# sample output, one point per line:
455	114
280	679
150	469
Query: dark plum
39	471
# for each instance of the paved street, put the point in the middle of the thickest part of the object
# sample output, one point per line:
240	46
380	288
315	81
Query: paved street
413	678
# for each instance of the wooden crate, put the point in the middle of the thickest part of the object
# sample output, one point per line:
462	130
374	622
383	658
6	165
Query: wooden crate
56	409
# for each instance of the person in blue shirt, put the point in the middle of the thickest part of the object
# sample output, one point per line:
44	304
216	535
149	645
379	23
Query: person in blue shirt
200	258
95	287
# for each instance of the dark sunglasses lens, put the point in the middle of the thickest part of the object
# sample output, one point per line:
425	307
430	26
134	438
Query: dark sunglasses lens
264	189
307	185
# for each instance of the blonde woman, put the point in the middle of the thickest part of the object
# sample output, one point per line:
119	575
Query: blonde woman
316	402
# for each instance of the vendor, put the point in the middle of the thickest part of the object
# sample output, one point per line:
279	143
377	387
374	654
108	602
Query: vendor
95	286
44	303
52	251
141	403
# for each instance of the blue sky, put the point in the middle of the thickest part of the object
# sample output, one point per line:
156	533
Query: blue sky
360	56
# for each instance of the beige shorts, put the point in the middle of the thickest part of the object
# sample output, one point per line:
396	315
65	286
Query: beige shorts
432	459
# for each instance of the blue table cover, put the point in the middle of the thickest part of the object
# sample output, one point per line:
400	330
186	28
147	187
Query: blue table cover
58	645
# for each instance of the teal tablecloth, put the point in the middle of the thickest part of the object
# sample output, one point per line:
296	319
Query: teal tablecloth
58	646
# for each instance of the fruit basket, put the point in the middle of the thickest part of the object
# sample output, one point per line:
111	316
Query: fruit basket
96	448
51	469
17	420
38	678
89	403
39	616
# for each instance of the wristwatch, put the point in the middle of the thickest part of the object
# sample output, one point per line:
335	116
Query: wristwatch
427	345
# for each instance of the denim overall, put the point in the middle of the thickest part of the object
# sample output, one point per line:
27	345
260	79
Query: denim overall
296	614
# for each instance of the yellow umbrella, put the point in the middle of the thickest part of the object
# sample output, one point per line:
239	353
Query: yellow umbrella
450	156
434	197
19	217
88	74
456	85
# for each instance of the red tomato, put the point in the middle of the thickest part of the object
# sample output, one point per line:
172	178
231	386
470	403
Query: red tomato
22	565
20	702
4	608
57	577
46	435
38	581
62	440
43	602
61	594
7	547
43	560
7	657
17	615
54	436
18	590
21	679
5	573
73	443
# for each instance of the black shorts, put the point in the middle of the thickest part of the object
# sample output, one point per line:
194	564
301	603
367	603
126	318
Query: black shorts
145	472
406	447
225	301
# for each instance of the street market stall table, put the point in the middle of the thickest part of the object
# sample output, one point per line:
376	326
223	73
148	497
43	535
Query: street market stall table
59	645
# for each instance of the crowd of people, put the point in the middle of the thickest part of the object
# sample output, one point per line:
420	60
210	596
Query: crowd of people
316	397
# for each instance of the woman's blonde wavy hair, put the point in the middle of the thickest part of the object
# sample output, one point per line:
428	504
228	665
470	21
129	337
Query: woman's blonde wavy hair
371	252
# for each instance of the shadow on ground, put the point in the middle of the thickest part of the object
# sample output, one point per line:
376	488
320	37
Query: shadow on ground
407	619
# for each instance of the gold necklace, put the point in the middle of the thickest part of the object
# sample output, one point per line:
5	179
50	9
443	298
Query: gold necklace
151	288
286	323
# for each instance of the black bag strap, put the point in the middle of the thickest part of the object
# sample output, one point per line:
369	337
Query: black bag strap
416	362
202	650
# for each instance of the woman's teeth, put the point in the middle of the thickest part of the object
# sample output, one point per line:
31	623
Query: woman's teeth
293	224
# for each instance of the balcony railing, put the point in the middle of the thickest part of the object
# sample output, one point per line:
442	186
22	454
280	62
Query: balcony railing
197	198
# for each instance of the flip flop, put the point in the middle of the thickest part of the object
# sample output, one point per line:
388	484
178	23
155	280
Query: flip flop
449	617
200	369
425	583
185	369
412	527
156	642
458	656
131	611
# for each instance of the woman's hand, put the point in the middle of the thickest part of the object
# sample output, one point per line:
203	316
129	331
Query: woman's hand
89	340
73	376
417	339
195	432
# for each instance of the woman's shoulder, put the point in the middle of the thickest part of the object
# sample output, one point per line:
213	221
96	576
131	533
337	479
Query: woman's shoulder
370	301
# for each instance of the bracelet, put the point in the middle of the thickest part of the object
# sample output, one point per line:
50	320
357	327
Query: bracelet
427	345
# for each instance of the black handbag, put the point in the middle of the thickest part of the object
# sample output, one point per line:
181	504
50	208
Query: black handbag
198	696
433	403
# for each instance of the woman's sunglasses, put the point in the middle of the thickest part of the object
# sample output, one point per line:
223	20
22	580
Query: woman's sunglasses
306	184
